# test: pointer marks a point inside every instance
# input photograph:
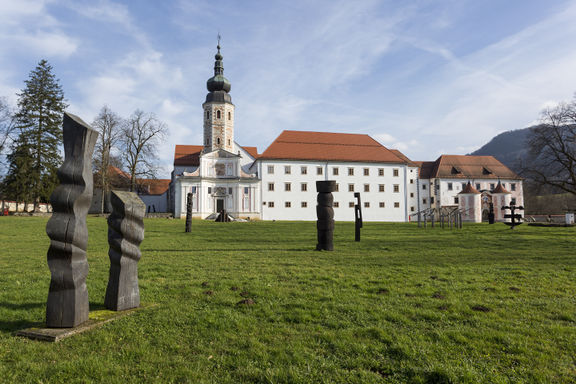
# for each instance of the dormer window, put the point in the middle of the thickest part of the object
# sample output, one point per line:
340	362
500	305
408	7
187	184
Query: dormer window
456	171
486	171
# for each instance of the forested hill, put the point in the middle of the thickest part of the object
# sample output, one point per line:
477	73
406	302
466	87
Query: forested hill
509	147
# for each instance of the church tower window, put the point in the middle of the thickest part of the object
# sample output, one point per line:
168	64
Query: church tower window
207	115
229	116
218	141
217	114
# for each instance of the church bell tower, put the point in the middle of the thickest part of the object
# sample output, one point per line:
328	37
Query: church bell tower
218	110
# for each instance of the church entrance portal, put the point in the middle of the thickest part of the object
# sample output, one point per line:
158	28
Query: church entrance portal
219	205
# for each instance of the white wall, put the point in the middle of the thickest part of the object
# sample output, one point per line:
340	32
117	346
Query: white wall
342	212
447	196
159	202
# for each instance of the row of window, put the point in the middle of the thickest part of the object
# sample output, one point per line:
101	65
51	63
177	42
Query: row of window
304	204
195	190
457	200
351	187
218	115
478	186
335	171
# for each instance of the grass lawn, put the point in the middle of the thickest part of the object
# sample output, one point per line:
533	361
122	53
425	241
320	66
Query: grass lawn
481	305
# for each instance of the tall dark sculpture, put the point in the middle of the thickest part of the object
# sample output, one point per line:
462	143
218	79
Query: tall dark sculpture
515	218
67	304
125	233
188	213
325	214
491	214
357	216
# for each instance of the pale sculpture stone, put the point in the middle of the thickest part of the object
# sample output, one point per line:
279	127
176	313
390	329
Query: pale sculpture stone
125	233
67	304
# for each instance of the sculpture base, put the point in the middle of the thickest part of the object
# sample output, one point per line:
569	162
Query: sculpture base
96	319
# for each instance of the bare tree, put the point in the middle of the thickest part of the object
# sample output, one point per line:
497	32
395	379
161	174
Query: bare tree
552	149
109	124
141	136
6	124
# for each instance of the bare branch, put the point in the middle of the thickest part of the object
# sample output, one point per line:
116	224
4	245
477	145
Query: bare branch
141	136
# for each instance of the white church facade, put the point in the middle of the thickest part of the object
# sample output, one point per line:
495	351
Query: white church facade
280	183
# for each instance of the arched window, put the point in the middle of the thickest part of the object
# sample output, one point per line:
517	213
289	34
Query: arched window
228	141
229	116
217	114
207	115
218	141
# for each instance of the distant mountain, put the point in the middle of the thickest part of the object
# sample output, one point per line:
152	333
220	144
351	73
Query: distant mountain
509	147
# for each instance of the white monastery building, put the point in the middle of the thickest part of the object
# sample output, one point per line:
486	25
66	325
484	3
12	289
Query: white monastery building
280	183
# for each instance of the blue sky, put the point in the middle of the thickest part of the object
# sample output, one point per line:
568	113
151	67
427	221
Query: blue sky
425	77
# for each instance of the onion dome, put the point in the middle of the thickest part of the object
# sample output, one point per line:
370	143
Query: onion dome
218	82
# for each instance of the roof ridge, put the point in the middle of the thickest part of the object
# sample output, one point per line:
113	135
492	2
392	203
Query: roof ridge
324	143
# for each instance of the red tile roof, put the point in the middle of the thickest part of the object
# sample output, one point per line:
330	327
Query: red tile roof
466	167
426	168
253	151
154	186
500	189
470	189
403	157
190	154
304	145
187	155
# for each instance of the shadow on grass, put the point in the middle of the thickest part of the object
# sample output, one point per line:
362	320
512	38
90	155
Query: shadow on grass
18	325
97	306
21	305
232	250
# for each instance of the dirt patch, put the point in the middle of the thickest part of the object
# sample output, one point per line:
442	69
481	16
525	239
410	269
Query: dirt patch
209	293
383	291
514	289
481	308
234	288
246	302
443	307
438	295
433	277
244	293
205	284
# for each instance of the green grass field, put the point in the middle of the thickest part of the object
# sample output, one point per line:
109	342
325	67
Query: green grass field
481	305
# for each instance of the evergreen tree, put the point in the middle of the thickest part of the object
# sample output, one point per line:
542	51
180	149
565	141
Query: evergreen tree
35	155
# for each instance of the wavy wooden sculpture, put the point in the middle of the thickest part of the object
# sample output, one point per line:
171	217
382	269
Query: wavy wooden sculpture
125	233
67	304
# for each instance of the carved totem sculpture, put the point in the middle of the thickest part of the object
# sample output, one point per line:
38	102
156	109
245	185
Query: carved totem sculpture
125	233
67	304
188	213
325	214
357	216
